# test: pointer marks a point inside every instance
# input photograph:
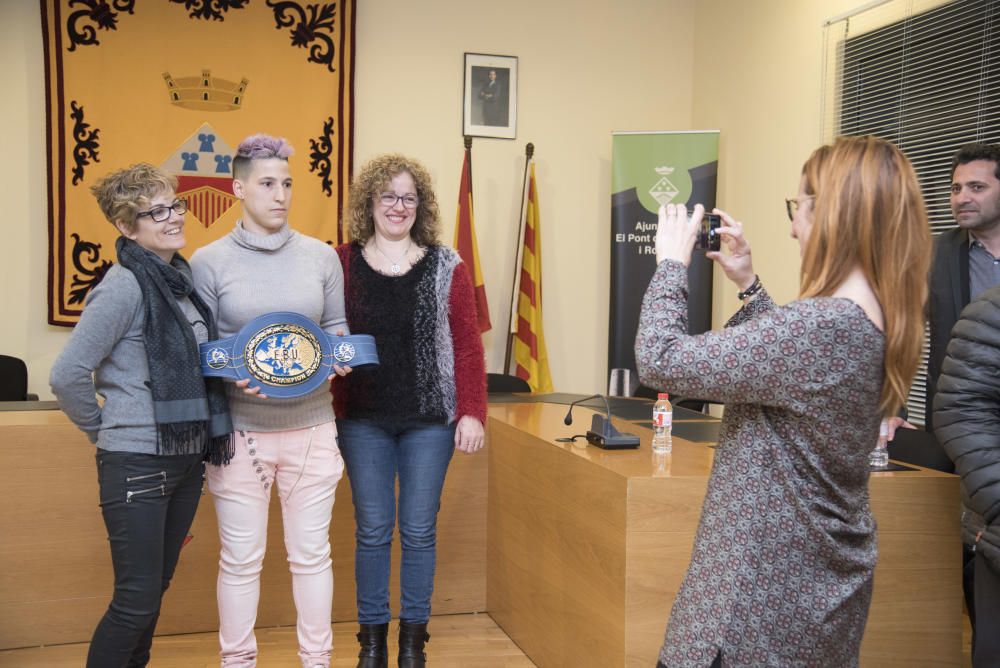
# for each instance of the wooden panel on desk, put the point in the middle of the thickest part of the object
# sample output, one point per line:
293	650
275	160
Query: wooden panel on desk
556	536
460	584
657	562
663	514
667	504
55	566
916	611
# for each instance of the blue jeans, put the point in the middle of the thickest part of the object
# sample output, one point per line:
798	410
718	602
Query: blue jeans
375	453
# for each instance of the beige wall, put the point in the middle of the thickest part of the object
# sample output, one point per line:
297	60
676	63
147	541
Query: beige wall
24	261
758	78
749	68
585	69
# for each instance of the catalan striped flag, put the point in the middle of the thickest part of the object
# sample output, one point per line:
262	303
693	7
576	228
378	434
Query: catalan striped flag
530	355
465	242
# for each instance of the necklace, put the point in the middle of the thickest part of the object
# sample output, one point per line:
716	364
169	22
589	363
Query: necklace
394	264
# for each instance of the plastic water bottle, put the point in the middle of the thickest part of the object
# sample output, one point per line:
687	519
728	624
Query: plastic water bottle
879	457
663	422
661	464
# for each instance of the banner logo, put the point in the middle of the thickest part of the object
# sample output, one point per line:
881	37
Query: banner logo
663	191
203	165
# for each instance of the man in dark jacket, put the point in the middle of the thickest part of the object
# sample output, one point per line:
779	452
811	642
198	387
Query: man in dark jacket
966	263
967	423
967	259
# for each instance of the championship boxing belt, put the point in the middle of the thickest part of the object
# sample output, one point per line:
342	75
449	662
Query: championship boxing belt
286	353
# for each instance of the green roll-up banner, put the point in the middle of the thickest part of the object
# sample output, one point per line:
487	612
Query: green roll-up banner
650	169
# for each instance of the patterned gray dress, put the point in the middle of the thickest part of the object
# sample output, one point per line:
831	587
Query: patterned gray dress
781	572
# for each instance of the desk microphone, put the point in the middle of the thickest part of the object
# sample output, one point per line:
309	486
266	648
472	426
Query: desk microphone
602	433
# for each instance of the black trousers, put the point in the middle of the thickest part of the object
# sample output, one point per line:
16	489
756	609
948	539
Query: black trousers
986	639
148	503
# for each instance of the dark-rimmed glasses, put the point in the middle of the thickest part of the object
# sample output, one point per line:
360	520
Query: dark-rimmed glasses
792	204
389	200
160	214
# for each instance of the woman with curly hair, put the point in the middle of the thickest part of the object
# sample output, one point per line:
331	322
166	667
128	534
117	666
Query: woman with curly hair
403	419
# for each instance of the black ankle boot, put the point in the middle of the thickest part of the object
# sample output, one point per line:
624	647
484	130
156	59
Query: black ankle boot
411	645
374	647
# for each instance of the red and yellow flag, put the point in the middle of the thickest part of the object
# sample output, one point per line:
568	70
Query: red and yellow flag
465	242
530	355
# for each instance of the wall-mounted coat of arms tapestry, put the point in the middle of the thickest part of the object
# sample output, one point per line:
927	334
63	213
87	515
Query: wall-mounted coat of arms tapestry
179	83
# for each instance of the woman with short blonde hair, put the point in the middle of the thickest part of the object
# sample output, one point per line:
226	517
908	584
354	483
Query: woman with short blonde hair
136	345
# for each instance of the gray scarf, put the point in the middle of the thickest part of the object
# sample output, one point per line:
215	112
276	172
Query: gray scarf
191	412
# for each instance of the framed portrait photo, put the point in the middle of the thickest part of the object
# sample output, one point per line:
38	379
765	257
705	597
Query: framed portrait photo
490	97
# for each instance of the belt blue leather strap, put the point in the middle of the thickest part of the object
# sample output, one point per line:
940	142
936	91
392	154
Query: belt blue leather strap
286	353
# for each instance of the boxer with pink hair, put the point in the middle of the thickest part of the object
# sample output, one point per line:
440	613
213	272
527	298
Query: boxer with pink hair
263	265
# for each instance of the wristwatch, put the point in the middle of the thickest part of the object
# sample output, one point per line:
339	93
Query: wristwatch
286	353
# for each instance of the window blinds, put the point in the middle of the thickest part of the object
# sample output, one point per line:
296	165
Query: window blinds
926	76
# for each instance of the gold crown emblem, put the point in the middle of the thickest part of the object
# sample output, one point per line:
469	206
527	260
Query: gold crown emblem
205	93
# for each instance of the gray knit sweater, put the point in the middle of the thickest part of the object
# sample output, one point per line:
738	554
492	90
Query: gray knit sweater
244	275
106	355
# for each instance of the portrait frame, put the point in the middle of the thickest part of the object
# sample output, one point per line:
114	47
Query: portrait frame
489	99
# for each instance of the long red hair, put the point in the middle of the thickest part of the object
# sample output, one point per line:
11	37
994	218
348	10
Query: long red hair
868	211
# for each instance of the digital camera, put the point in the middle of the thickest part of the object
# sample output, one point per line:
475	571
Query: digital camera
708	234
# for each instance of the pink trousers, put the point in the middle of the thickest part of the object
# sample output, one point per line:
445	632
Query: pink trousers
305	466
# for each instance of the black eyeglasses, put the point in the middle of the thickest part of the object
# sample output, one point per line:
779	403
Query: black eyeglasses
792	204
160	214
389	200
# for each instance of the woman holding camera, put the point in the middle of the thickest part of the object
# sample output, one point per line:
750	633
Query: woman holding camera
781	572
136	345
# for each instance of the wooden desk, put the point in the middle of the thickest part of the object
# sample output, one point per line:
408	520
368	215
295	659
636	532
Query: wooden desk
586	548
55	565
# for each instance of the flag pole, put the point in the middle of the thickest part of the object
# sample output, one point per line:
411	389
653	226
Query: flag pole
529	152
468	149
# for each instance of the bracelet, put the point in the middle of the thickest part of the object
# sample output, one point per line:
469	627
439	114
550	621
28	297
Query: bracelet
754	288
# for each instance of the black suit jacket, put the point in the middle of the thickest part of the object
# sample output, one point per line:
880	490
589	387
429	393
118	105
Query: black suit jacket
949	294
